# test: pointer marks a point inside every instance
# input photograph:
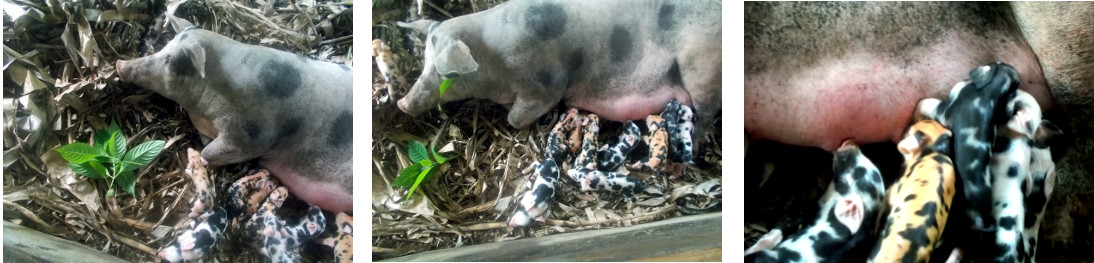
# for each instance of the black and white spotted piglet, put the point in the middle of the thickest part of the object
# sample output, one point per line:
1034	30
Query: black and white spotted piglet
682	143
1038	188
969	112
204	232
281	240
849	212
609	181
610	157
536	202
1010	170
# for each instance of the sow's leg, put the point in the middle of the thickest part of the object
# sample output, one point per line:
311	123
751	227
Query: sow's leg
818	73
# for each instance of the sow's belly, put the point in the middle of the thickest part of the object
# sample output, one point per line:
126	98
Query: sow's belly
812	85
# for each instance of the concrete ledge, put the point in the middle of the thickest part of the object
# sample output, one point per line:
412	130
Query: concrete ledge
688	238
23	244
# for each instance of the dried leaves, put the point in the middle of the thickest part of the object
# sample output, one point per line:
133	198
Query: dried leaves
60	86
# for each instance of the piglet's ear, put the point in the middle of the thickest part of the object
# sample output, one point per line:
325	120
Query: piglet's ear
197	57
455	58
1045	132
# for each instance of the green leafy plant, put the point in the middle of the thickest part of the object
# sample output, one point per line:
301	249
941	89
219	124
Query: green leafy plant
447	83
422	169
109	159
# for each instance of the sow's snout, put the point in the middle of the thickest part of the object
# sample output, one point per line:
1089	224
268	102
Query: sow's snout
122	70
421	97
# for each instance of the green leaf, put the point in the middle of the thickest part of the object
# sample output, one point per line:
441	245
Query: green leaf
119	145
421	176
127	181
98	168
121	167
426	163
407	175
417	152
447	83
78	152
110	192
111	146
144	153
103	135
440	158
85	170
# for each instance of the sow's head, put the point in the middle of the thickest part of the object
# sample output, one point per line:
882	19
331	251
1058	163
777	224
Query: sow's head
175	70
446	56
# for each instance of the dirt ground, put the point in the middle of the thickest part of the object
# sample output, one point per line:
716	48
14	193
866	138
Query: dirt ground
473	195
61	86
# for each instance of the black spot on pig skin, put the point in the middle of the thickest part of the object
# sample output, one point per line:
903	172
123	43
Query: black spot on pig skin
252	129
1007	222
621	44
544	78
341	132
674	74
547	21
290	127
665	19
182	65
576	60
280	79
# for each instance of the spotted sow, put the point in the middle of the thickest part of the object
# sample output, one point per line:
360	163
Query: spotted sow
292	113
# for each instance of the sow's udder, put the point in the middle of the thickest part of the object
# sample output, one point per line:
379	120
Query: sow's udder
810	84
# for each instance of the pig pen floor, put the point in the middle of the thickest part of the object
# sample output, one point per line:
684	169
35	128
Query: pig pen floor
71	89
794	178
470	198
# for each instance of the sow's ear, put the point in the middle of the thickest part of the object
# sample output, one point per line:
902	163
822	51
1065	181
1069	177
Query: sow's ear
455	58
191	60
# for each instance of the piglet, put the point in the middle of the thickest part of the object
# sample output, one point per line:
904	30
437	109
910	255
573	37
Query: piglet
969	112
657	141
1038	188
536	202
247	194
199	239
920	200
609	181
342	242
587	157
202	188
610	157
849	210
1010	169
